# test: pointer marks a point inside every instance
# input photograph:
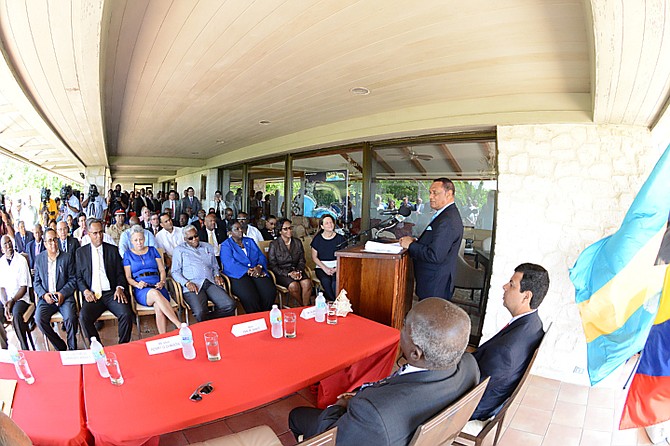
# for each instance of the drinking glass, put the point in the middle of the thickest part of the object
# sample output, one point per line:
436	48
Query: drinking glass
114	369
212	345
289	324
24	368
331	316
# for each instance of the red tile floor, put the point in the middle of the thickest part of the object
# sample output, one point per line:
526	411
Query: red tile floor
549	412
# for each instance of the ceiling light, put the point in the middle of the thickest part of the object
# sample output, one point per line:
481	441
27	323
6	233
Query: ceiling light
264	122
360	91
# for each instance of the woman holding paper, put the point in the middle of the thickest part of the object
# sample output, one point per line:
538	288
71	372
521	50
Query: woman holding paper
324	245
145	272
286	259
246	267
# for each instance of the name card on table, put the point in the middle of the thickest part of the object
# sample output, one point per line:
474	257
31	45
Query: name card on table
4	357
246	328
308	313
77	357
164	345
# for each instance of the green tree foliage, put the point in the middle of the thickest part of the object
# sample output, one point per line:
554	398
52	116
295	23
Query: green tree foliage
20	179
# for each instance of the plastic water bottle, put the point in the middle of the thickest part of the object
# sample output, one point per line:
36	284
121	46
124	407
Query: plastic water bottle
14	355
276	322
321	309
100	357
187	347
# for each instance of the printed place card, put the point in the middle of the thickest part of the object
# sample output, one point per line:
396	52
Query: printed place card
4	357
308	313
77	357
164	345
246	328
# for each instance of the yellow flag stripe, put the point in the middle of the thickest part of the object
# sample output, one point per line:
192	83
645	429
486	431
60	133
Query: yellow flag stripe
664	309
611	306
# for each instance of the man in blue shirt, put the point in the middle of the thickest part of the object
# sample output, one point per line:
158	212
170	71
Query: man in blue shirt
195	268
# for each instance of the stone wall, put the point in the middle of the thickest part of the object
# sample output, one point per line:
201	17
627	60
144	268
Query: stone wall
561	188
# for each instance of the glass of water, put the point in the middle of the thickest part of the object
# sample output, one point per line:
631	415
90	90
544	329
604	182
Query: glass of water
289	324
212	345
114	369
331	316
24	368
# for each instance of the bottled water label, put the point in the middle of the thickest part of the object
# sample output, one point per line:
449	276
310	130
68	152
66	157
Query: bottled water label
186	340
98	354
276	319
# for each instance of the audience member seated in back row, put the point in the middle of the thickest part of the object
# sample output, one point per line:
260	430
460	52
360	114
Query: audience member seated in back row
387	412
324	244
22	237
118	227
286	259
506	355
124	241
66	242
35	247
194	267
246	267
170	236
101	279
211	234
270	231
145	272
55	284
249	230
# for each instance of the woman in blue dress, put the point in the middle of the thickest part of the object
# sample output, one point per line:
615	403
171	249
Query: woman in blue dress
145	272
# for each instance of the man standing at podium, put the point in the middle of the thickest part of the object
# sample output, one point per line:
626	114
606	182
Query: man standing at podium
435	252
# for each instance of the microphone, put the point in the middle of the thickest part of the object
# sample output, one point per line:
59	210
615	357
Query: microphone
403	211
398	215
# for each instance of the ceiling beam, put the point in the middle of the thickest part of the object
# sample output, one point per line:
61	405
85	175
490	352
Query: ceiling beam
352	162
415	162
455	166
155	161
383	163
9	133
143	172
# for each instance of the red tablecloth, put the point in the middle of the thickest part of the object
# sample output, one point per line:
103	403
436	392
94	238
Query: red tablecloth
50	410
254	370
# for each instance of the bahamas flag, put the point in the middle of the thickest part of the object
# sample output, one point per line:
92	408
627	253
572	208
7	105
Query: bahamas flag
648	400
617	286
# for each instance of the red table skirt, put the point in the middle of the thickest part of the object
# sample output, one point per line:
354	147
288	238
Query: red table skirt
51	410
254	370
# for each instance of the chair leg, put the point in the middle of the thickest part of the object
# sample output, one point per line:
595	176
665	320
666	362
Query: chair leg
498	429
139	330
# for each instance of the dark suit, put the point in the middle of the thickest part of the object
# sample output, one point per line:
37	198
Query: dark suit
21	242
505	358
194	204
388	412
138	204
435	255
30	250
91	311
220	236
66	284
71	243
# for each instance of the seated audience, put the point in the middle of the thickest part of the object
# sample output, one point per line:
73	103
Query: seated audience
115	230
170	236
183	219
155	224
86	239
80	232
145	217
270	232
229	218
66	243
194	267
124	241
145	272
14	284
437	373
246	267
286	259
199	221
506	355
249	230
191	201
55	284
324	244
172	204
101	279
211	234
218	205
35	246
22	237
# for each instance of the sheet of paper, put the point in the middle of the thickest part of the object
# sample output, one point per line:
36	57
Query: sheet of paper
4	357
77	357
308	313
164	345
7	389
246	328
383	248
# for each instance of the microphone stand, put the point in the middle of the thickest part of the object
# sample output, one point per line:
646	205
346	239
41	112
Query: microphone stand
356	238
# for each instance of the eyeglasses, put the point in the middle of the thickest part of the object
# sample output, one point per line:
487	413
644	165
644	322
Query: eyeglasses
287	228
51	240
192	237
203	389
242	219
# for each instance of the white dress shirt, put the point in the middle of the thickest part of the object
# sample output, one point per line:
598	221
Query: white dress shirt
14	275
168	241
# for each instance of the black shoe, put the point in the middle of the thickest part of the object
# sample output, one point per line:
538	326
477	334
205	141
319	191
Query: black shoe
99	325
31	324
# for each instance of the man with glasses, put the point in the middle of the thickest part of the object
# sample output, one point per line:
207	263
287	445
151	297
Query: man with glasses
55	284
102	280
14	284
195	268
66	243
35	247
249	230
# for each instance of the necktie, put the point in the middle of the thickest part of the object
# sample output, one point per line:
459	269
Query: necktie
382	381
96	282
64	245
218	211
211	239
172	206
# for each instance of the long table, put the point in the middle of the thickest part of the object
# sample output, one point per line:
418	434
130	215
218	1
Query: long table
51	410
254	370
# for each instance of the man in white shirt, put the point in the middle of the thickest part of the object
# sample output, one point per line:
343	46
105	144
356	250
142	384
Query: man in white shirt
95	205
170	237
14	284
250	231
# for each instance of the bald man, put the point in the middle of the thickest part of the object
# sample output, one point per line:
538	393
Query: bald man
11	434
387	412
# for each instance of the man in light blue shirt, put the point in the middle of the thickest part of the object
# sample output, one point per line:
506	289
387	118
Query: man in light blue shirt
195	268
124	240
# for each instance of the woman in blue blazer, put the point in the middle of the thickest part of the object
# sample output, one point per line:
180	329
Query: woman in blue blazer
246	266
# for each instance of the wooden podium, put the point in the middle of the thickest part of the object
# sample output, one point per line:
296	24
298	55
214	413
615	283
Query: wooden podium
379	286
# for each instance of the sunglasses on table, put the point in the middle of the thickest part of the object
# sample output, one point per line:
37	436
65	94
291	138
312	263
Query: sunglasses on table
203	389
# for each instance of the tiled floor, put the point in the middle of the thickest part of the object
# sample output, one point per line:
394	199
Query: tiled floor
548	412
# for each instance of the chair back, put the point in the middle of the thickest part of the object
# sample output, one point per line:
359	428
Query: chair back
324	439
265	247
444	427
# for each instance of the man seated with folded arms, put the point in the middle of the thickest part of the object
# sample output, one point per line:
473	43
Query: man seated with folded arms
506	355
195	268
387	412
55	284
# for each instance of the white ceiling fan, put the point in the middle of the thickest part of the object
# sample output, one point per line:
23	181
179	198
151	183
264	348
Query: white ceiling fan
411	155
